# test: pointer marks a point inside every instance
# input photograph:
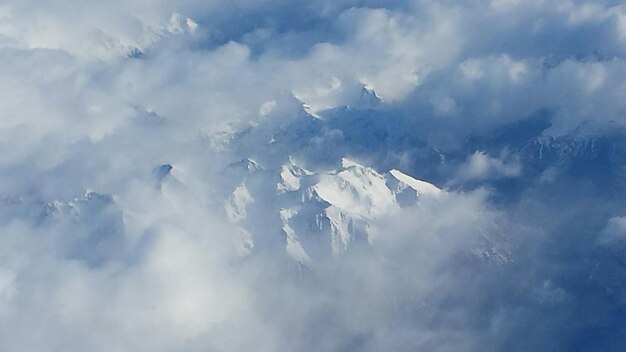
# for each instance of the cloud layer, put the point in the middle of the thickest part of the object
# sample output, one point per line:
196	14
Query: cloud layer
125	127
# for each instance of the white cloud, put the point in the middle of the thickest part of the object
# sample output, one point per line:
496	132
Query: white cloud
480	166
615	231
96	95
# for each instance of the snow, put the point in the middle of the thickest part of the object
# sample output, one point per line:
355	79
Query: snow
421	187
236	204
293	247
318	213
355	189
340	226
368	98
290	175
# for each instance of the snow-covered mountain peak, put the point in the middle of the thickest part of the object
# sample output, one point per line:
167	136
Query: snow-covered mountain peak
247	165
421	187
321	213
368	98
355	189
408	190
290	175
309	112
236	204
347	163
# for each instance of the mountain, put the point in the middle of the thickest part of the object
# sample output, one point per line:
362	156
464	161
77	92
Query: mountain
322	213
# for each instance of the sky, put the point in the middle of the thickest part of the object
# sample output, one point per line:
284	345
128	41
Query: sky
146	202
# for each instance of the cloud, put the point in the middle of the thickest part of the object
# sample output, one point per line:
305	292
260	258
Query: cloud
482	166
101	252
615	231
